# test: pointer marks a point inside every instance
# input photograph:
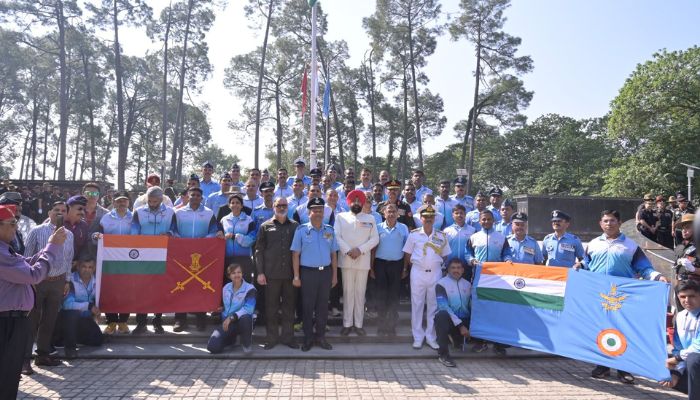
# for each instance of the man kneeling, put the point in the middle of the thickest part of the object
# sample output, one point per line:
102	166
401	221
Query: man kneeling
239	304
79	310
452	318
685	363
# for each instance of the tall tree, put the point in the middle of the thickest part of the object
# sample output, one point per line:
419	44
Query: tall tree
109	15
481	23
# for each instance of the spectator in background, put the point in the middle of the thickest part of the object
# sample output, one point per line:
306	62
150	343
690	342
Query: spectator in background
151	181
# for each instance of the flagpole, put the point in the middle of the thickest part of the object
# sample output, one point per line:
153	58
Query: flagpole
326	153
314	88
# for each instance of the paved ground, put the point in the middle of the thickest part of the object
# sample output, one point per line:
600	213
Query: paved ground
334	379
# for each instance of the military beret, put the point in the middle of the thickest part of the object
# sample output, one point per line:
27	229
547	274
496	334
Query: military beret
77	200
207	164
11	198
267	186
194	177
519	217
559	215
393	184
7	211
426	211
226	176
495	191
316	202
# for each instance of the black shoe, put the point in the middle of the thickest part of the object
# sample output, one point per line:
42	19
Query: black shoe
201	325
70	353
345	331
178	326
306	346
27	368
323	343
501	351
158	327
140	329
360	332
292	344
625	377
447	361
269	345
46	361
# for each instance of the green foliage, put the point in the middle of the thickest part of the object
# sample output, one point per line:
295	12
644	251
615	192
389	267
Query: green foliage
655	123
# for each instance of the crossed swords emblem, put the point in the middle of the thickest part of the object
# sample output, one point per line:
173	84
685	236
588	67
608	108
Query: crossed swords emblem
194	270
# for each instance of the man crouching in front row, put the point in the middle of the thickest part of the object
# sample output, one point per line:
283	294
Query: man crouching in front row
452	318
685	362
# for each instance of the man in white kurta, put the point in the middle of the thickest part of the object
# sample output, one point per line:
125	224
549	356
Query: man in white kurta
356	234
425	250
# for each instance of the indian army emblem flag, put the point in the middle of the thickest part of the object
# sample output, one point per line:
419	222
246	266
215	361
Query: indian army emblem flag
145	274
601	319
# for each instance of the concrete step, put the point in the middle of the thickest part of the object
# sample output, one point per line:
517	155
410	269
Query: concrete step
163	351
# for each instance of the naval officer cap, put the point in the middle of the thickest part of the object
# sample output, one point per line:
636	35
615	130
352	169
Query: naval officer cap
558	215
426	211
299	161
207	164
393	184
267	186
316	202
460	181
519	217
495	191
315	172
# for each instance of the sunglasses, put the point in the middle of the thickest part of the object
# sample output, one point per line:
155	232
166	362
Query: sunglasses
93	194
11	222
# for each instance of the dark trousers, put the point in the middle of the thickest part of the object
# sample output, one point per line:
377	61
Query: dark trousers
279	295
388	283
219	339
315	288
690	380
665	239
111	318
79	328
444	326
15	332
182	317
142	318
47	303
336	293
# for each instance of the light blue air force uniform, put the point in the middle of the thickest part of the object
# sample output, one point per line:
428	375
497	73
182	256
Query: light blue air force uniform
466	201
562	252
295	202
315	245
391	241
445	208
199	223
216	200
526	251
208	188
112	224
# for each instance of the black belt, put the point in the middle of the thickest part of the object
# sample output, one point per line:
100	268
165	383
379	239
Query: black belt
385	260
316	268
13	314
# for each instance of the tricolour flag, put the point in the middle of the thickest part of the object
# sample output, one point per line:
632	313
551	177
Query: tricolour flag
601	319
541	287
159	274
327	99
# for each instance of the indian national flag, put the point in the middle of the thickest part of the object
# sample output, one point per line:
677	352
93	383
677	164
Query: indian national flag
134	254
524	284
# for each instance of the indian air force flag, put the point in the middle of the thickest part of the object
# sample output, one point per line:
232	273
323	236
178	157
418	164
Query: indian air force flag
601	319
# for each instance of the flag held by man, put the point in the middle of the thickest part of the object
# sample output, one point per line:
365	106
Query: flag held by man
159	274
601	319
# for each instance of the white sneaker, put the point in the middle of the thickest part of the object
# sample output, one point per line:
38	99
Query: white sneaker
418	344
433	344
335	312
247	350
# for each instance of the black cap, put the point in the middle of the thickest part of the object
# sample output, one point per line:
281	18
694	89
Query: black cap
122	194
315	202
207	164
194	177
519	217
460	181
267	186
11	198
558	214
315	172
495	191
680	197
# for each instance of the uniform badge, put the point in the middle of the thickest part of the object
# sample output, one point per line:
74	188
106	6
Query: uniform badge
327	235
529	250
567	247
613	300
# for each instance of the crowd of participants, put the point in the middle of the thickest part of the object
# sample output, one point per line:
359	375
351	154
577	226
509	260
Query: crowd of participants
286	240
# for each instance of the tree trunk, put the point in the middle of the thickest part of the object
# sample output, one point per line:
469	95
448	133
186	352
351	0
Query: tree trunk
404	144
279	125
179	122
107	147
373	127
164	100
82	159
181	148
91	116
63	91
354	141
472	127
390	154
123	147
32	148
260	82
24	155
415	91
47	121
76	152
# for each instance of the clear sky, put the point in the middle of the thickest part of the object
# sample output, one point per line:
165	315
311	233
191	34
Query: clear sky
582	51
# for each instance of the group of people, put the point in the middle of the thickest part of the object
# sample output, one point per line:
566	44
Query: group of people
660	222
285	244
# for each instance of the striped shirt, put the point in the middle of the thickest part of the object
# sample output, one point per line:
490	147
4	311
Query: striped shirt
38	238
